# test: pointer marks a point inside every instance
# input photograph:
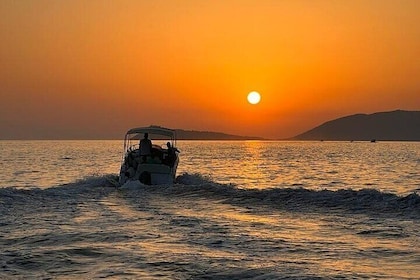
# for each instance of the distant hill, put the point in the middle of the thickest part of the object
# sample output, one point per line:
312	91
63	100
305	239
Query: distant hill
208	135
392	126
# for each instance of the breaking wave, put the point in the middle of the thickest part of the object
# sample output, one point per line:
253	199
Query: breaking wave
365	201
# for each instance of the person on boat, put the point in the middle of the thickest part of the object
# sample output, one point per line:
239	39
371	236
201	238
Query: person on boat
171	154
145	146
171	149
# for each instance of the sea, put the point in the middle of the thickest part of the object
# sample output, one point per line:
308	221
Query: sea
238	210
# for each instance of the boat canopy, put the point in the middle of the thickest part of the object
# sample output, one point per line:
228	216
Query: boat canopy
157	130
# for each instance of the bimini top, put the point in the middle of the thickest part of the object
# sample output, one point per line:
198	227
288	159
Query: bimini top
158	130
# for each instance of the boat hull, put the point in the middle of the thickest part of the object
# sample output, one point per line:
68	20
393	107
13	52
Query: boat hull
149	174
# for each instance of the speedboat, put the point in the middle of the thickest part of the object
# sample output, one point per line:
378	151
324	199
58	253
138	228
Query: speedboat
158	167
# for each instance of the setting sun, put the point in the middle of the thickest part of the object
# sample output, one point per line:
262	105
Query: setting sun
254	97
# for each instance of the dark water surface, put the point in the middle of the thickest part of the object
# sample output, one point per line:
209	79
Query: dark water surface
239	210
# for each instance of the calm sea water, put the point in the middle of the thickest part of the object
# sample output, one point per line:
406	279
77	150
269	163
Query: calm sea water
239	210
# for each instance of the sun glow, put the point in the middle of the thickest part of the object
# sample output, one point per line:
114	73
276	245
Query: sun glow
254	97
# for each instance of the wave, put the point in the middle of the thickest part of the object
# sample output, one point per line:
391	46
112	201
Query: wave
92	187
365	201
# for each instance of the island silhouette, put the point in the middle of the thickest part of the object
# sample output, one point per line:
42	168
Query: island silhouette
183	134
396	125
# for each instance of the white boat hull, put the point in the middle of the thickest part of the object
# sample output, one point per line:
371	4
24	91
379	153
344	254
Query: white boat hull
149	174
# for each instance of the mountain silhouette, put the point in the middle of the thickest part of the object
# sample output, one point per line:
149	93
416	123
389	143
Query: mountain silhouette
208	135
396	125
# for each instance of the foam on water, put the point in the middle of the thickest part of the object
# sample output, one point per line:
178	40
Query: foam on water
366	201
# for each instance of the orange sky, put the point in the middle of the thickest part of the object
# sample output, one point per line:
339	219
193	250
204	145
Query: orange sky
93	69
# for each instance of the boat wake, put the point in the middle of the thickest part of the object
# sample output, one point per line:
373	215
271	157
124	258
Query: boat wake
369	202
364	201
94	229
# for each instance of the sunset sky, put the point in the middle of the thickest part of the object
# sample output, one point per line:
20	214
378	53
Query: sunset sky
93	69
